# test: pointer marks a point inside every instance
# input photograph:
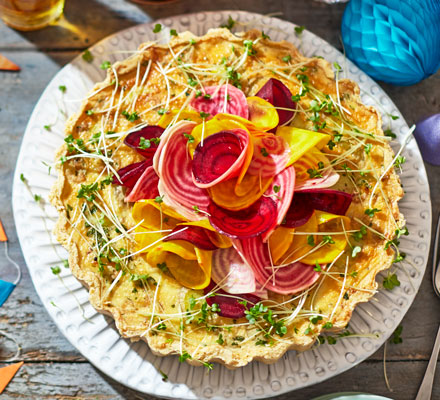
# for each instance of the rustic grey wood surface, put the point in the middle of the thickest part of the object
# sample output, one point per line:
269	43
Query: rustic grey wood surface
53	368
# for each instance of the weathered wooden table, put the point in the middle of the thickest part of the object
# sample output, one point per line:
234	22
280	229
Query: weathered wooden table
53	368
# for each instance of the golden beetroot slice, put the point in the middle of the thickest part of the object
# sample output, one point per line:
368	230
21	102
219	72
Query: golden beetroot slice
195	235
145	140
230	306
277	94
220	157
246	223
221	99
262	114
129	175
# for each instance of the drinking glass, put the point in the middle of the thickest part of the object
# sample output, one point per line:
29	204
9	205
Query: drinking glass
28	15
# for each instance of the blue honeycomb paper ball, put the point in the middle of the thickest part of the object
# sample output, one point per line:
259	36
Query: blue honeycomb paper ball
395	41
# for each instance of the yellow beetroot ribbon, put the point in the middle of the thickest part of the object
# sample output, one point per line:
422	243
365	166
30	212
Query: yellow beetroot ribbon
301	141
190	266
303	244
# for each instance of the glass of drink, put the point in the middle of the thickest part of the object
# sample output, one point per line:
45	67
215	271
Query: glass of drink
28	15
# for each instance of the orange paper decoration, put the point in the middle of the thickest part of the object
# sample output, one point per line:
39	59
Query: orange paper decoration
3	237
7	65
7	373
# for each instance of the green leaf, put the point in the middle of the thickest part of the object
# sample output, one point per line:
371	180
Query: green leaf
159	199
287	58
230	24
62	88
130	117
396	338
144	143
299	29
371	211
105	65
164	376
56	270
389	133
173	32
391	281
367	148
87	56
220	340
184	356
189	137
157	28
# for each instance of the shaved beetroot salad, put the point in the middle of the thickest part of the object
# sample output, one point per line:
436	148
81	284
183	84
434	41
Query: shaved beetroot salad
233	200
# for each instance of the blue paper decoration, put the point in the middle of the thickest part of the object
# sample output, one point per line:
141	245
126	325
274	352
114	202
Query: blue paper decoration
6	289
396	41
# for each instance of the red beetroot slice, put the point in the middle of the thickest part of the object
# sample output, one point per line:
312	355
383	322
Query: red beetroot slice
133	140
130	174
217	155
194	235
277	94
224	99
145	187
288	279
304	202
329	200
299	212
246	223
230	306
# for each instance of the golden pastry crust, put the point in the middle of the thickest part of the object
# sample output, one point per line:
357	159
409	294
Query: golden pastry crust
138	304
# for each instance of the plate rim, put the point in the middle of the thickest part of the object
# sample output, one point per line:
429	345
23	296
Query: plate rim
16	181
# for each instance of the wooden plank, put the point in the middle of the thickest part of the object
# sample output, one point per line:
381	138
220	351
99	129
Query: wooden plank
82	381
113	15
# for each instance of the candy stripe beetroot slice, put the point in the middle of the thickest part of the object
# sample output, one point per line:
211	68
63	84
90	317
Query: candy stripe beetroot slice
230	306
174	169
287	279
221	99
281	191
329	178
271	154
220	157
141	140
130	174
146	186
231	273
277	94
193	234
251	221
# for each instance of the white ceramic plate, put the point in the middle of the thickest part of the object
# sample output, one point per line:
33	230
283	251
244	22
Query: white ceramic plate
132	364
